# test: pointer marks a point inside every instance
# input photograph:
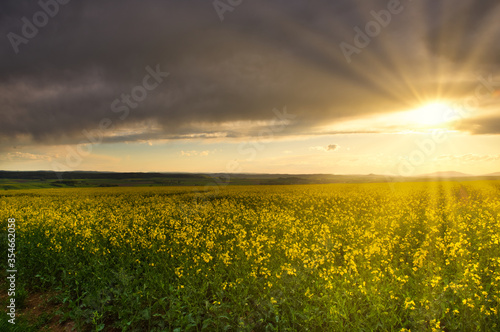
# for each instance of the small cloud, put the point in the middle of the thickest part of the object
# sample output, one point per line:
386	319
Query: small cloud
188	153
331	147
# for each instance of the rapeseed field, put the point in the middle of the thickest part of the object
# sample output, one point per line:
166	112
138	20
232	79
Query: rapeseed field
341	257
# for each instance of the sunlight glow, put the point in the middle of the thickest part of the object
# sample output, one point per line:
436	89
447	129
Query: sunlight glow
430	115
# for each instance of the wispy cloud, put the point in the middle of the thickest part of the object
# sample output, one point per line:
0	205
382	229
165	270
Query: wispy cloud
468	158
194	153
24	156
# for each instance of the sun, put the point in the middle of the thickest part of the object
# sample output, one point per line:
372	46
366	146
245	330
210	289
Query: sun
430	115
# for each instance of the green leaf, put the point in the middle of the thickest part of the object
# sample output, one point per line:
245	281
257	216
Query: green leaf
146	314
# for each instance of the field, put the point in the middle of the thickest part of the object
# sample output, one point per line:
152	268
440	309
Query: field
337	257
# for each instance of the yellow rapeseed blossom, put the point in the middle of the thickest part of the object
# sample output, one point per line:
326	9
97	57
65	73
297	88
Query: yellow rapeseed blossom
329	253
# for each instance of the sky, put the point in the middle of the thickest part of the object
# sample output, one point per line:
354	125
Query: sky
336	87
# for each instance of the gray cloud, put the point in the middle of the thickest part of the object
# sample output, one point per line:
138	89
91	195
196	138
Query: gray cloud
480	126
332	147
462	30
263	56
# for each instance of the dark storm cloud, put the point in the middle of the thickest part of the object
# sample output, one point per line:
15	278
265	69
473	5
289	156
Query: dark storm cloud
462	29
264	55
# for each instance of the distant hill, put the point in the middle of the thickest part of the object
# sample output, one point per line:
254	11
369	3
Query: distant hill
448	174
493	174
49	179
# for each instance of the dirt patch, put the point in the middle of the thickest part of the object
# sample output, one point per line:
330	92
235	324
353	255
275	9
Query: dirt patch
40	310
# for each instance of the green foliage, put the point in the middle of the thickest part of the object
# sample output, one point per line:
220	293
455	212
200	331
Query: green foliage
19	326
